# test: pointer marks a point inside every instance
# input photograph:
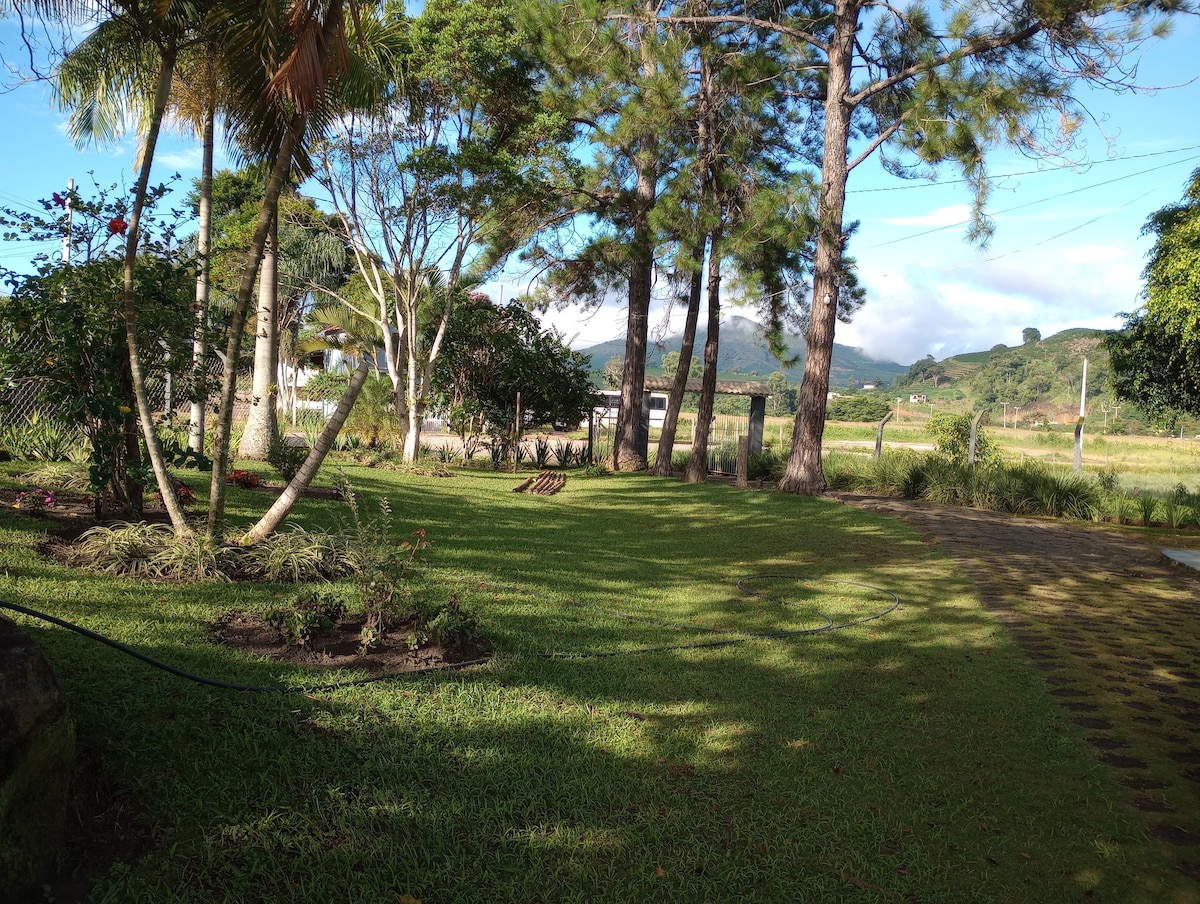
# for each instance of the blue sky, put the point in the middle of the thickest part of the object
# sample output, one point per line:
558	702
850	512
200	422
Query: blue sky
1066	250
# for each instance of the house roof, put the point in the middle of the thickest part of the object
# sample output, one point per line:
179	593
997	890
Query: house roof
724	387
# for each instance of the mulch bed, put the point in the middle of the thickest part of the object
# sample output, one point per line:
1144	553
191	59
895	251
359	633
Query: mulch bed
340	646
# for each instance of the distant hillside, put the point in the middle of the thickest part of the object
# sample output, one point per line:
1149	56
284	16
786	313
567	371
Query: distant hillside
1041	379
744	352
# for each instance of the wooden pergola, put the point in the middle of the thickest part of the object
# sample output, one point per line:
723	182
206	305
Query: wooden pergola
757	391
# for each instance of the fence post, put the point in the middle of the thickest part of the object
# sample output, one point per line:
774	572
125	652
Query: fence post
879	436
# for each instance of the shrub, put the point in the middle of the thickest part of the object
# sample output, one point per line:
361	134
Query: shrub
766	465
952	433
858	408
564	453
194	558
122	548
286	458
541	453
311	611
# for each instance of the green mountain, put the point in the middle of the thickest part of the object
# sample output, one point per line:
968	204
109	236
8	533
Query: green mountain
744	354
1042	379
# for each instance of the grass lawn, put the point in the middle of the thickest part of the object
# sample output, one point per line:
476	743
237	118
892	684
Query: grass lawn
915	757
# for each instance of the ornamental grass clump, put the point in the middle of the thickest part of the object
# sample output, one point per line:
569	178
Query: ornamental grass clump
297	555
123	548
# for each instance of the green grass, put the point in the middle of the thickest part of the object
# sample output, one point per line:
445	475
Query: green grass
910	758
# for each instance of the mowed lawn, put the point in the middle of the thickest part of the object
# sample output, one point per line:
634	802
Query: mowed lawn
912	757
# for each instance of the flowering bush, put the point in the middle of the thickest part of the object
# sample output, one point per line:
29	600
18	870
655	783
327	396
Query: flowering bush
184	493
35	500
244	479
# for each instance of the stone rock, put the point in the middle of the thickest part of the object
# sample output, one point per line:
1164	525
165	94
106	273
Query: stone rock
37	753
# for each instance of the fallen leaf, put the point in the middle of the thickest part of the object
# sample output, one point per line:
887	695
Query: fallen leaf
407	899
659	872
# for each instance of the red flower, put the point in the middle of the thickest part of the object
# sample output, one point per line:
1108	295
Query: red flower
117	226
60	200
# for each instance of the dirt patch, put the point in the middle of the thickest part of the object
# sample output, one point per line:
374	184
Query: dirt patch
71	513
340	646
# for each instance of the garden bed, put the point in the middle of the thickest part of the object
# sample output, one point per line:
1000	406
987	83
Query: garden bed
340	646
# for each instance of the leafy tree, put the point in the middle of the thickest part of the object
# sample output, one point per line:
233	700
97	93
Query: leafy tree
928	368
62	333
614	367
935	88
1030	335
491	354
783	397
670	363
858	408
437	183
952	433
1155	359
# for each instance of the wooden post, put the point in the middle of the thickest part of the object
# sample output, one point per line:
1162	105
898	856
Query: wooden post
743	462
879	436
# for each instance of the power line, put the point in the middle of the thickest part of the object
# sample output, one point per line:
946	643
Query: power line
1066	194
1048	239
1035	172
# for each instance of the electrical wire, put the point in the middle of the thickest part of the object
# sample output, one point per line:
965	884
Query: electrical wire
1066	194
728	638
1034	172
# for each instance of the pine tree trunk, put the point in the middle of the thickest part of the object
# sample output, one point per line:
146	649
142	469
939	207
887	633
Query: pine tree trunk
804	473
627	454
666	440
697	467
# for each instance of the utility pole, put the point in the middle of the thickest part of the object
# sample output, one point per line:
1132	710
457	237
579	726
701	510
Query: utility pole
1079	423
1004	416
66	252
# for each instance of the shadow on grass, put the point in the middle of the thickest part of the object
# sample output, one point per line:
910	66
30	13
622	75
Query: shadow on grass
909	758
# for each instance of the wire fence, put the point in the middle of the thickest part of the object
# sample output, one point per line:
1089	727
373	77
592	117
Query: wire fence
22	399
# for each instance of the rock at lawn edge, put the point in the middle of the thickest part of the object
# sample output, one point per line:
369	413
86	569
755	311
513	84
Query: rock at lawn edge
37	752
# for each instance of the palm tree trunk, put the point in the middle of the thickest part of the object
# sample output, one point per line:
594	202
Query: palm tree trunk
137	375
216	505
275	515
203	243
262	424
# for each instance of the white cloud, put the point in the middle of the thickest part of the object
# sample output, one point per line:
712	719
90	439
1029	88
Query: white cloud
182	159
964	308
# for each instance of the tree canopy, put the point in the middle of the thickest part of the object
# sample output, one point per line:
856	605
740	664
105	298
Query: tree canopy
491	354
1156	357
